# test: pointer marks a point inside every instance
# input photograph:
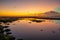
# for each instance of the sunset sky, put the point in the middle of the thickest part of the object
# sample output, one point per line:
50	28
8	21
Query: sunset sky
20	7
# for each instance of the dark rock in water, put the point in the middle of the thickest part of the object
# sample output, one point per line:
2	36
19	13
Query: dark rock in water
8	24
36	20
11	38
7	30
59	28
1	27
9	33
41	30
5	26
8	19
53	32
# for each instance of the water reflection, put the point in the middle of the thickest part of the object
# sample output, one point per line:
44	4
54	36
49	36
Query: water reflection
7	19
57	21
4	31
33	28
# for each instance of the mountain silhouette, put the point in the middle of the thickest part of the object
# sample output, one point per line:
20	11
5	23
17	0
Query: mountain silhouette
50	14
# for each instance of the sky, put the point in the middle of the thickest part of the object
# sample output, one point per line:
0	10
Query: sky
21	7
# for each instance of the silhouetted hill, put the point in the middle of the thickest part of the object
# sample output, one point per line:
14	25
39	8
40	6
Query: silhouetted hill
50	14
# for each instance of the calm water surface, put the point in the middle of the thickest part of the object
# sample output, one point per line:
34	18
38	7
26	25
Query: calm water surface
35	30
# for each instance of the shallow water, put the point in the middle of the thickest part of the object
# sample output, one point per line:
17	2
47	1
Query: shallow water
36	29
31	30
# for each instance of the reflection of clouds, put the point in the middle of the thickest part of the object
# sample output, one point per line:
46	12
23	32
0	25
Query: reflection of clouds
53	32
57	21
57	9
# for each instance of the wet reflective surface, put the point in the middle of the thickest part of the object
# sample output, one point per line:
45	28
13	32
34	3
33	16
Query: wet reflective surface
35	29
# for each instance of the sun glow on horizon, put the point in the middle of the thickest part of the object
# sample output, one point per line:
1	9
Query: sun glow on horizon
26	7
23	12
18	13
